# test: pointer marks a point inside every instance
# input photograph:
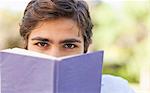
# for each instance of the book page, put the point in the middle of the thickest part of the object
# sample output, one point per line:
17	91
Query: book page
29	53
21	51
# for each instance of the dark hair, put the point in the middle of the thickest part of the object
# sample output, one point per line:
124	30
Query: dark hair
40	10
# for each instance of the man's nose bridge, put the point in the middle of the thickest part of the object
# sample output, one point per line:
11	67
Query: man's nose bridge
54	51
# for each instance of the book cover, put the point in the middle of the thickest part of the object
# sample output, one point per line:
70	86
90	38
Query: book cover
30	72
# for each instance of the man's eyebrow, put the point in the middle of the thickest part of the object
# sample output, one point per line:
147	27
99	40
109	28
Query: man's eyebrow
72	40
40	39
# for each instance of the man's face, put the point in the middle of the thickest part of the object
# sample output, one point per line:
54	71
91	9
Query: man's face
61	37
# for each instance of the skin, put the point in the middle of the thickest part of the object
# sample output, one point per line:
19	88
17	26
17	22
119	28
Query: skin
56	37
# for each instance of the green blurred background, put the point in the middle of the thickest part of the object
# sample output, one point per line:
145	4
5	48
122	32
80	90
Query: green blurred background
121	29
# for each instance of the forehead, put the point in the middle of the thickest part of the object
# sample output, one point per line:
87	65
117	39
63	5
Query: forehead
57	29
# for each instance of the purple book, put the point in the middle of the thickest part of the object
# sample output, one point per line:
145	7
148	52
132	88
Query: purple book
23	73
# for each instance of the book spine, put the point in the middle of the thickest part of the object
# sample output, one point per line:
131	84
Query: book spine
56	77
0	58
0	71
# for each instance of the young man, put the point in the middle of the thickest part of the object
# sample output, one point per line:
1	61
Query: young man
61	28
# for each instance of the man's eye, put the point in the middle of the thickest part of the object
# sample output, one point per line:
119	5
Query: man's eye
70	46
41	44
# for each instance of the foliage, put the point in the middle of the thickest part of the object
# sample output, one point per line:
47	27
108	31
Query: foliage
9	32
123	33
